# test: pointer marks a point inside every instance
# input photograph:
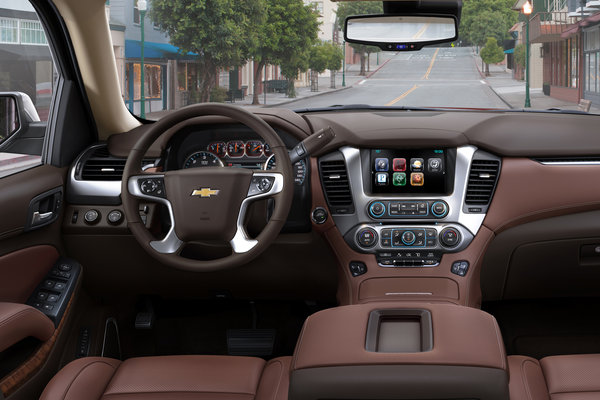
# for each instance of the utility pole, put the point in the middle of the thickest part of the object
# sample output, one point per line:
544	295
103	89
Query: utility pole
527	9
142	4
344	66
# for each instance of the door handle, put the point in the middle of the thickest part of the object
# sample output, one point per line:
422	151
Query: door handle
39	218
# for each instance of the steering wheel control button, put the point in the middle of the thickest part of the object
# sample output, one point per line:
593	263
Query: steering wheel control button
409	238
91	217
115	217
319	215
260	185
367	237
460	268
450	237
357	268
439	209
377	209
153	187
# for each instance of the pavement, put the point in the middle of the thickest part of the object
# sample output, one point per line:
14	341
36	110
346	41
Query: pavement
512	91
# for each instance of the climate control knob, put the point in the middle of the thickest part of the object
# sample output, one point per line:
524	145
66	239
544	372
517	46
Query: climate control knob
450	237
366	237
408	238
377	209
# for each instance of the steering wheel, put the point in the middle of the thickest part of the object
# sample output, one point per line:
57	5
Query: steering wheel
207	203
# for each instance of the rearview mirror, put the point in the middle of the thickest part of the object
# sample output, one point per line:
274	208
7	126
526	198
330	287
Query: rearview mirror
400	32
9	117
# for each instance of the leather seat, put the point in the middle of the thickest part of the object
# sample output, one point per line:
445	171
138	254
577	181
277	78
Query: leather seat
170	378
573	377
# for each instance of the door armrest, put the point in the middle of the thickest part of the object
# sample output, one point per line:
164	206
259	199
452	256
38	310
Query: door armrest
19	321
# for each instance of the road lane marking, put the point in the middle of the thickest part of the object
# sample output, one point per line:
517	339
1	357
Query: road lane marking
403	95
482	81
361	82
426	76
421	31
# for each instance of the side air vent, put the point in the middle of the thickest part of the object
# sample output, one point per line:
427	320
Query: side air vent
336	185
482	182
101	166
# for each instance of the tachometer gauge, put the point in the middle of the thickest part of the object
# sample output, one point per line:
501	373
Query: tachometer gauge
202	159
299	169
235	148
254	148
219	149
267	149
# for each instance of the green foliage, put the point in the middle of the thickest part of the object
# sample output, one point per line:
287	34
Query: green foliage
222	32
346	9
325	55
492	53
486	18
520	55
218	94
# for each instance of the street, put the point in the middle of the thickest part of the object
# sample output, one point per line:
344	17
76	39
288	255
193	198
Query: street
432	77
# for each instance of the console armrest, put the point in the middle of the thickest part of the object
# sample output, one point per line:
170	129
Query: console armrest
19	321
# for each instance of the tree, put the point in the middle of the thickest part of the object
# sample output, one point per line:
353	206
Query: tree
318	57
486	18
221	32
520	55
359	8
491	54
290	27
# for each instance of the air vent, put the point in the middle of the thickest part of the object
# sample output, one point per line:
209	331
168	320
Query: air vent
334	177
101	166
482	182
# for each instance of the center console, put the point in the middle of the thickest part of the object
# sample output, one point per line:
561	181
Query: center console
399	351
409	206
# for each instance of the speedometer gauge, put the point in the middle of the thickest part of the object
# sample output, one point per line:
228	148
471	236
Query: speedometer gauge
202	159
299	169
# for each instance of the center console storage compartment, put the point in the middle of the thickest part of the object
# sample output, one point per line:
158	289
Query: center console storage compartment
400	351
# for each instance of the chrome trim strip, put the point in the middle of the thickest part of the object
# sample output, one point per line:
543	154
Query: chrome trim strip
569	162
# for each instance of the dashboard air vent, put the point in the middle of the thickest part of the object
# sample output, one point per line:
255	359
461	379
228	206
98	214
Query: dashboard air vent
336	185
101	166
482	182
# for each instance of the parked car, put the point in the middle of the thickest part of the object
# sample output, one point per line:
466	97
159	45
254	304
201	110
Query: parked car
413	239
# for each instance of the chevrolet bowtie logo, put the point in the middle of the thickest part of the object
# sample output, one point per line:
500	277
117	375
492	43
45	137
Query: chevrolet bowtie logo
205	192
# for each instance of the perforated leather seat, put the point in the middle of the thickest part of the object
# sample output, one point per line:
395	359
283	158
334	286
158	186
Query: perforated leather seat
572	377
170	378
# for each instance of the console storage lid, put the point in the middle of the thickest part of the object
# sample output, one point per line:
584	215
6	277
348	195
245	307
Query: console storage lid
400	351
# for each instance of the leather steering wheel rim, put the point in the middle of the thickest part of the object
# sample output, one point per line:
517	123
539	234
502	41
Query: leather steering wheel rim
132	175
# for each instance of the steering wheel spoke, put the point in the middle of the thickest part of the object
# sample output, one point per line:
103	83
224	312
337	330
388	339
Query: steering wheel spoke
263	184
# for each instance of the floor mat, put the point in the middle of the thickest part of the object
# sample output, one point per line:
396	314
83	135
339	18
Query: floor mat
200	326
540	328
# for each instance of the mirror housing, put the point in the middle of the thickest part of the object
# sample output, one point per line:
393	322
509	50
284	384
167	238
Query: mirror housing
16	113
406	32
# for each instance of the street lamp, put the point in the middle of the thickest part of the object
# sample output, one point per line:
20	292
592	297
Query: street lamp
142	7
344	65
527	9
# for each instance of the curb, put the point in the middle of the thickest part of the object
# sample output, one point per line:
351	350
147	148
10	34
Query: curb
307	97
510	106
370	74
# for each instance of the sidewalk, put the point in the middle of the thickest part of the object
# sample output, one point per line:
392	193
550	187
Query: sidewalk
512	91
352	78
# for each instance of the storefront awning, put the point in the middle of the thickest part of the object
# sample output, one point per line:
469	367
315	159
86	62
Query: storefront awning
133	49
509	51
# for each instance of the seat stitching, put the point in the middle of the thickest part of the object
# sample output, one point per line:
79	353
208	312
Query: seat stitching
524	378
279	380
175	391
81	371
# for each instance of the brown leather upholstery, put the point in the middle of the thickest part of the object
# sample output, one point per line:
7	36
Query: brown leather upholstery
573	377
526	379
19	321
171	377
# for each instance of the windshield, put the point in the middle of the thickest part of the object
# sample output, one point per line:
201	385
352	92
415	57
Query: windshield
292	54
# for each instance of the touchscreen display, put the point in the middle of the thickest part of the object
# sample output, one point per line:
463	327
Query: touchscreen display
409	171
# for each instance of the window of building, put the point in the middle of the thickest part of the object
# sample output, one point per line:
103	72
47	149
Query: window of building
592	60
9	30
318	6
136	14
152	81
32	32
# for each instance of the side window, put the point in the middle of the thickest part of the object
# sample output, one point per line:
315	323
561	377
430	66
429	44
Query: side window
27	83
